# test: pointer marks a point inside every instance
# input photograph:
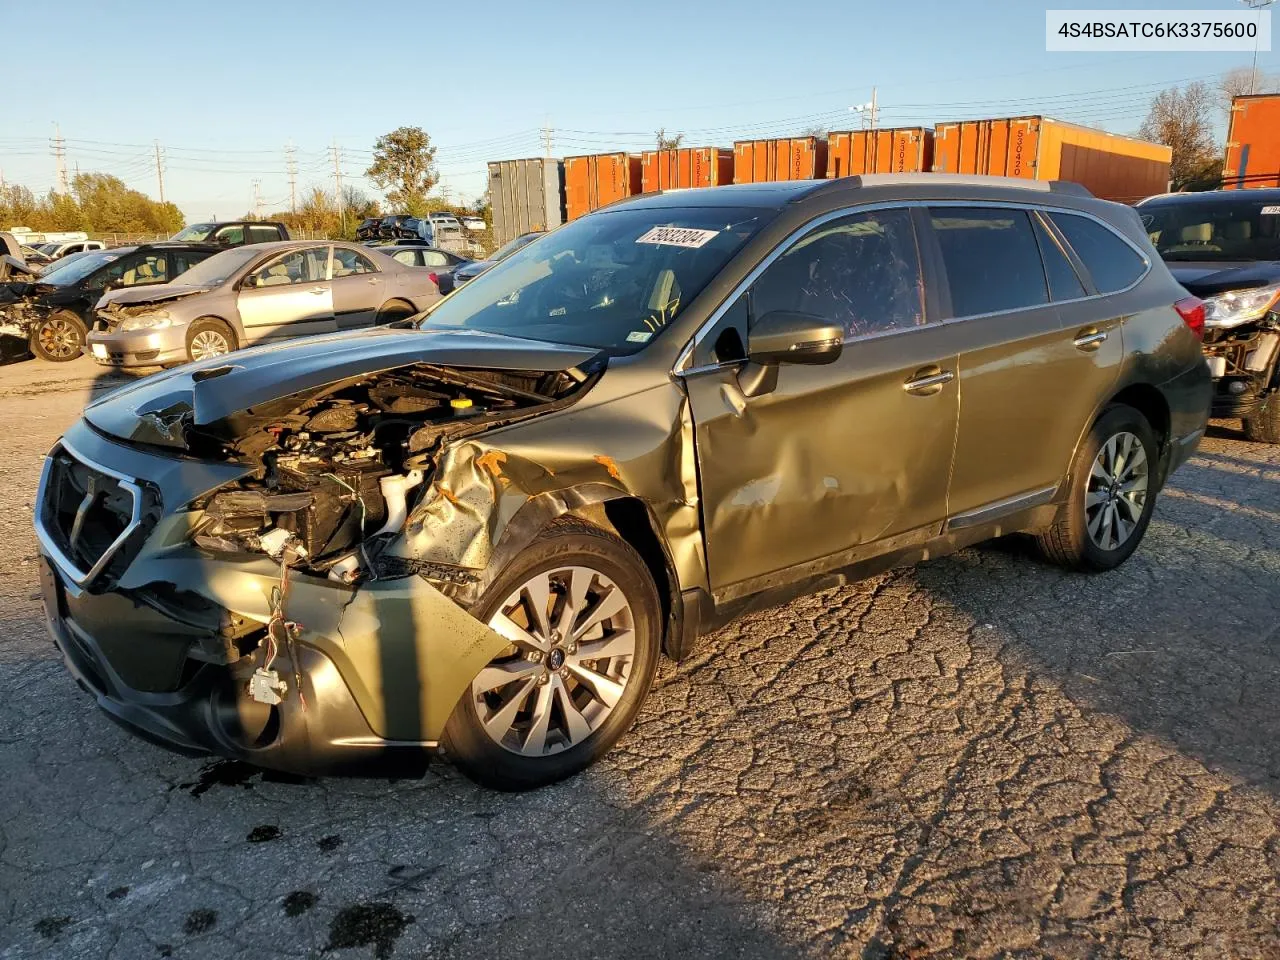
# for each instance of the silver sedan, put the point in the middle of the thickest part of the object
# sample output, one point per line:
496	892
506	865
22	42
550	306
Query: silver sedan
256	294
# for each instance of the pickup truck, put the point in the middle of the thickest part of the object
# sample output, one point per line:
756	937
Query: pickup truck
233	233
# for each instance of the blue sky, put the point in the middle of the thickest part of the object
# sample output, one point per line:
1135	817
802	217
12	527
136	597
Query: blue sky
224	86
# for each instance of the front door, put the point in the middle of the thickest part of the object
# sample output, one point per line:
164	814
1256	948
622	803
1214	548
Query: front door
359	289
1028	384
838	461
288	296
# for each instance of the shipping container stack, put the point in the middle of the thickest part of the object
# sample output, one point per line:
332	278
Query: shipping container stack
893	150
681	168
597	180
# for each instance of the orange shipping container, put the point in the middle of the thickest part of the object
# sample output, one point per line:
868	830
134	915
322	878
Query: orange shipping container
1253	143
1039	148
797	158
901	150
593	181
685	167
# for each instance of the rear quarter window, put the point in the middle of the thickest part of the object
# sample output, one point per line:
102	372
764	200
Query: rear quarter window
1113	264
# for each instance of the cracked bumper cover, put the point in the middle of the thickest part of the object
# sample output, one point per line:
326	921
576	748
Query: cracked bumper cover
378	669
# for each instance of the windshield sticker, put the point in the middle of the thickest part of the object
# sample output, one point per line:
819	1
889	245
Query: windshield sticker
1273	211
639	336
679	237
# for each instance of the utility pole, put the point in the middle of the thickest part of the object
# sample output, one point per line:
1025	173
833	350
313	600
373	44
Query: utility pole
291	166
1253	74
548	137
60	159
160	171
337	181
257	199
869	111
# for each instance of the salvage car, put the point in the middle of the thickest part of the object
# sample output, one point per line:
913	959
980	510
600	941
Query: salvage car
337	554
252	294
233	233
1224	246
54	311
441	263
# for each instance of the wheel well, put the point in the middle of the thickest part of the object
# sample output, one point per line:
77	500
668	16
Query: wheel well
235	337
1149	402
398	301
630	519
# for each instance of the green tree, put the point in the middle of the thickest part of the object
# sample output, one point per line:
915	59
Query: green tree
668	141
404	168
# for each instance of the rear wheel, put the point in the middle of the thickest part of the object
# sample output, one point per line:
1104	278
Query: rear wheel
59	337
1113	491
209	337
584	622
1264	425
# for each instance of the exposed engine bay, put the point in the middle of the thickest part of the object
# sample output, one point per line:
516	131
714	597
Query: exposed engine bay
336	477
1249	351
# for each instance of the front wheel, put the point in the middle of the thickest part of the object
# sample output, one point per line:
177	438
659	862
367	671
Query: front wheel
1112	493
584	621
209	338
59	337
1264	425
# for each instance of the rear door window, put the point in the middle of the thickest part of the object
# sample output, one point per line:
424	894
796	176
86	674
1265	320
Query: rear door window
231	236
861	271
1113	264
1064	284
347	262
991	258
408	257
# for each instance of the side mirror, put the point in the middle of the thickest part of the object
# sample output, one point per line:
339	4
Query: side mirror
249	282
782	336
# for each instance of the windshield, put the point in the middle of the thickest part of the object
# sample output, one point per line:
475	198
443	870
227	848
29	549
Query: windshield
74	269
1214	230
612	281
47	247
195	233
219	268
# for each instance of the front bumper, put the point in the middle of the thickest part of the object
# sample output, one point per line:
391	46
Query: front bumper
138	348
372	677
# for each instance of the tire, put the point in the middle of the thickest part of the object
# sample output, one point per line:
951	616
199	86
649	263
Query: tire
566	745
203	337
1104	533
393	311
1264	425
59	337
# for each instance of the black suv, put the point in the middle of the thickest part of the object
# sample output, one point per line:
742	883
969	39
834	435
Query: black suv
233	233
54	311
1224	246
399	227
368	229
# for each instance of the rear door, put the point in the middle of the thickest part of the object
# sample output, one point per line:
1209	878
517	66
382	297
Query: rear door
359	288
838	461
1027	382
288	296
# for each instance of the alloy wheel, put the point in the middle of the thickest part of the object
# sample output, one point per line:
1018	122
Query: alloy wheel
59	338
573	644
1116	493
208	343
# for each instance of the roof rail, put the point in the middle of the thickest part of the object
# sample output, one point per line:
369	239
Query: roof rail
958	179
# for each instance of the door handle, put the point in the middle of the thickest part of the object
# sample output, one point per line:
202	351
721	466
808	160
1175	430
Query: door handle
1090	339
927	382
316	290
373	280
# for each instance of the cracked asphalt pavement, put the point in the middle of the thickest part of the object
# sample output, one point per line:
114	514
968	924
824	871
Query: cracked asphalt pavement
980	756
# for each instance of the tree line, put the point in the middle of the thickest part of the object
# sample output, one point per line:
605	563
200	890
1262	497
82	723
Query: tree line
97	203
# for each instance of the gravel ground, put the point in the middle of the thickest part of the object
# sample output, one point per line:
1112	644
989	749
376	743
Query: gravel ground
980	756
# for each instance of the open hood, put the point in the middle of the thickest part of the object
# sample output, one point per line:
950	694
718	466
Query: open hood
148	294
161	408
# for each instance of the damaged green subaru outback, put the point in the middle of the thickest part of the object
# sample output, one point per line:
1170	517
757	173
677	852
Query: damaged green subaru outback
478	530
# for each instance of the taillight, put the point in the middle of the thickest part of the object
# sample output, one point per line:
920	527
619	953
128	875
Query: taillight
436	280
1191	310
